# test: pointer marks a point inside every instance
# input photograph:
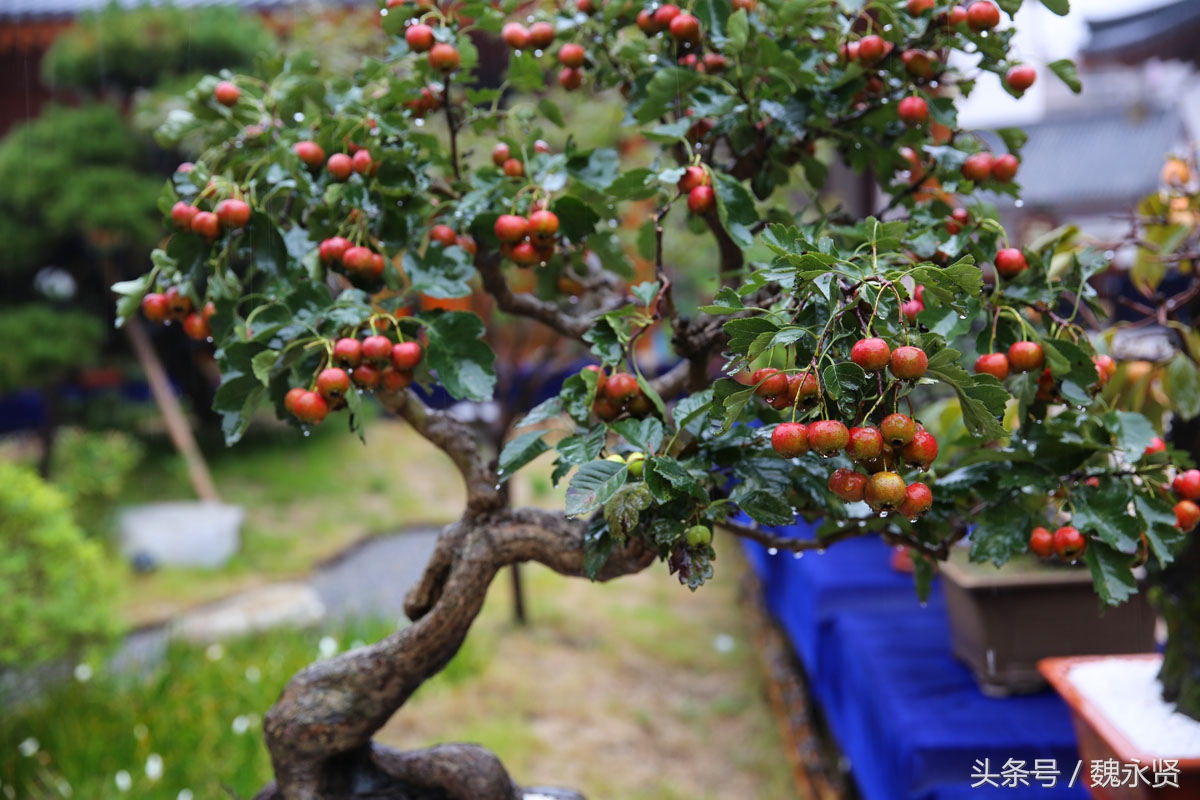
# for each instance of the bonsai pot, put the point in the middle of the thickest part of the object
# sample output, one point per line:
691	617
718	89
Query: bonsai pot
1003	621
1119	715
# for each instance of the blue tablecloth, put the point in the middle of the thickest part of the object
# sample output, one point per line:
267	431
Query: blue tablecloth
907	715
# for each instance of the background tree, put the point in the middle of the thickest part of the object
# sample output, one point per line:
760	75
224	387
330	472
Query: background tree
822	379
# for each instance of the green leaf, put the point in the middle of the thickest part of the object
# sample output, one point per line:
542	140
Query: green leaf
1158	523
524	72
596	169
1105	513
270	250
644	434
744	332
736	209
645	292
548	409
1110	572
551	111
1183	386
1001	531
1133	432
1060	7
576	218
593	485
732	397
443	273
1014	138
519	452
263	364
1064	68
691	407
597	545
621	512
667	87
667	478
462	361
764	507
844	378
582	448
737	32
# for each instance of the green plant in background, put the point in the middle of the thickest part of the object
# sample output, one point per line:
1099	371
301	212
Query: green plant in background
128	49
56	584
42	360
92	468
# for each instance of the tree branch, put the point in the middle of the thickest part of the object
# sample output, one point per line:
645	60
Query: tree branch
572	326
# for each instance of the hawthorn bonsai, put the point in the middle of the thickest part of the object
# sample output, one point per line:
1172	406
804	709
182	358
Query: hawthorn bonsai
816	381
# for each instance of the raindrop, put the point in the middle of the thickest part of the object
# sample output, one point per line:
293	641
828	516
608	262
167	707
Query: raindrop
913	520
1019	203
612	223
962	316
883	101
327	647
298	116
184	794
653	58
383	13
28	747
240	725
883	515
933	84
529	18
420	123
887	27
83	673
924	604
123	780
798	555
821	551
772	551
307	432
154	766
597	39
537	53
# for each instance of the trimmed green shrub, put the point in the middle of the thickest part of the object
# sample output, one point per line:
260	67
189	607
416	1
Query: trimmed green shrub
56	584
32	360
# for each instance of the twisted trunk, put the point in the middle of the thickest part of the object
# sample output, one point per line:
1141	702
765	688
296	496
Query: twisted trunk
319	732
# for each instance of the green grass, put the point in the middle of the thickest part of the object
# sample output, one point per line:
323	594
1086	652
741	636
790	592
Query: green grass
199	711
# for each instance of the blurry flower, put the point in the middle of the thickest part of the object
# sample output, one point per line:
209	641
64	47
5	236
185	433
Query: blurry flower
328	646
124	782
253	674
184	794
241	724
83	673
215	652
28	747
154	766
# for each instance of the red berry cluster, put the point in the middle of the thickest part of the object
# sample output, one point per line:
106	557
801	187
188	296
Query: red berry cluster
174	306
696	183
342	165
357	261
982	166
1187	488
617	394
447	237
1067	543
230	214
371	363
429	99
528	241
503	158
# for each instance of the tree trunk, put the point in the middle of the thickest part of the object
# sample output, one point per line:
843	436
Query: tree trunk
319	732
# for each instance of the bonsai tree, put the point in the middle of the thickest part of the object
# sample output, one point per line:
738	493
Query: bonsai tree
799	388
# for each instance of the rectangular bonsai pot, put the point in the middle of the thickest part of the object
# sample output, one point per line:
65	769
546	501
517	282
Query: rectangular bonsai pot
1100	740
1003	621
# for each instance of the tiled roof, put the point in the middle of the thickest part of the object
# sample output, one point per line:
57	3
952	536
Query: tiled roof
38	10
1113	154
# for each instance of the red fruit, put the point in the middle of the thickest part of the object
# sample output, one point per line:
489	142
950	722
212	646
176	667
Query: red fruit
701	200
1010	261
572	55
601	378
864	444
332	250
196	327
1156	445
541	35
585	7
227	94
908	363
802	389
513	168
393	380
917	500
1187	484
289	399
347	352
444	235
978	167
1106	367
366	376
511	228
828	436
1187	514
541	146
233	213
154	306
340	166
179	305
994	364
620	387
515	35
1025	356
848	485
207	224
664	14
692	178
310	407
898	429
1020	77
790	439
333	383
918	7
311	153
406	356
1046	386
606	409
871	354
1041	542
745	5
362	163
500	154
982	15
769	382
885	491
525	254
910	309
570	78
646	23
377	349
185	167
1004	169
543	225
958	15
961	216
685	28
871	48
1069	543
419	37
182	215
849	51
444	57
359	259
921	451
715	62
919	63
913	111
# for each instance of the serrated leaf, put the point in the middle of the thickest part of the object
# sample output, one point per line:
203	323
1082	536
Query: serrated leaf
1065	69
1002	530
593	485
597	545
644	434
732	397
1162	534
737	32
576	218
1111	573
691	407
1133	432
667	478
263	364
621	512
1105	513
462	360
520	451
843	378
547	409
736	209
764	507
1183	386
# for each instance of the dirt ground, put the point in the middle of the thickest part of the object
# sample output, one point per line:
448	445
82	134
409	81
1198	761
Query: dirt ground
631	690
